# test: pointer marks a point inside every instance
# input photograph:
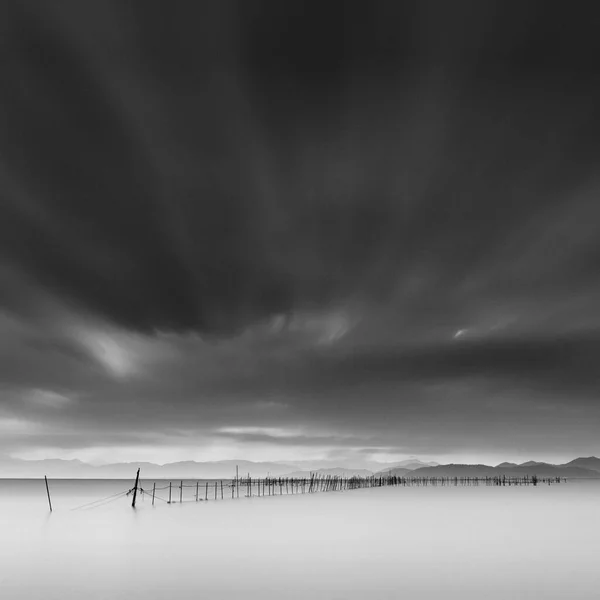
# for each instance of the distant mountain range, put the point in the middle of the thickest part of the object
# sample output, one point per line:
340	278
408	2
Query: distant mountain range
583	467
587	468
591	462
406	466
337	471
76	469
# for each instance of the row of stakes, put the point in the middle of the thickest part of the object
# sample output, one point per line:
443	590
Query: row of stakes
319	483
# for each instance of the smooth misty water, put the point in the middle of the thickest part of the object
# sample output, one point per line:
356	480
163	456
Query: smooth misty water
413	543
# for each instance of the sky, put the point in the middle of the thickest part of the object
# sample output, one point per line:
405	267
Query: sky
339	232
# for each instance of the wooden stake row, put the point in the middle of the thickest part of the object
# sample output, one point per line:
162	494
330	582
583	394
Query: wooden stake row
272	486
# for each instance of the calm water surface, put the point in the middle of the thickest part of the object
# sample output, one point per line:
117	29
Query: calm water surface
413	543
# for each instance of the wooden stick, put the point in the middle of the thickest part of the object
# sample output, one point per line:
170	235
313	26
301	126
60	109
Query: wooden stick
135	487
153	491
169	492
180	492
48	492
197	490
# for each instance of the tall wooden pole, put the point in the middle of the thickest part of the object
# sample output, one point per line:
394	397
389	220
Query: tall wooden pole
135	487
153	492
48	492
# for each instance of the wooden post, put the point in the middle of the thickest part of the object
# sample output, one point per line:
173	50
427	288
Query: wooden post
237	482
215	490
180	492
135	487
48	492
153	491
221	489
197	491
206	492
169	492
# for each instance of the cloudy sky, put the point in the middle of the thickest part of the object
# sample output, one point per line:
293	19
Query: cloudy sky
326	231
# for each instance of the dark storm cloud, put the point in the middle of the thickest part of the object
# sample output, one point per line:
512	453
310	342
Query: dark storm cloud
567	364
344	186
201	168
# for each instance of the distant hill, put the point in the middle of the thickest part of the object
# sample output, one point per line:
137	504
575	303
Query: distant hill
591	462
397	471
456	470
539	469
415	463
406	466
583	467
336	471
75	469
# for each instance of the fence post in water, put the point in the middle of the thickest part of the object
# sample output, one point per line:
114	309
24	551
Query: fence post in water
221	489
135	487
206	492
197	491
153	491
169	492
48	492
180	492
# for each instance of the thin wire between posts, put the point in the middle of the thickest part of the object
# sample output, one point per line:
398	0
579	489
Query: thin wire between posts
102	501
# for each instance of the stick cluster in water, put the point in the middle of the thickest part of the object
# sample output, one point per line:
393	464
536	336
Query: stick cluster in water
279	486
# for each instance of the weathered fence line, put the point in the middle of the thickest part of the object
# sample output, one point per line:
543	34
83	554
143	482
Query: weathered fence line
316	483
272	486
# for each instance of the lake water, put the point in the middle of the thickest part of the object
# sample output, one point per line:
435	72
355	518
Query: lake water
408	542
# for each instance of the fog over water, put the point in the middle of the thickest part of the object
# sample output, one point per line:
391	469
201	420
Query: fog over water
404	542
